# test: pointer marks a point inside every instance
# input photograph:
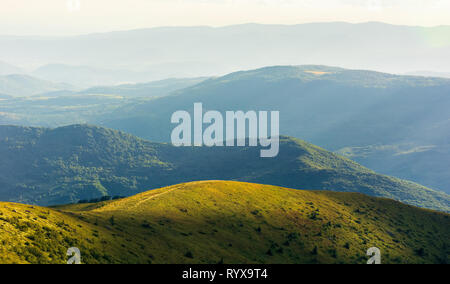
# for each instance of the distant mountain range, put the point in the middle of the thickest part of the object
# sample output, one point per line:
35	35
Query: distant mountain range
395	125
19	85
145	90
334	108
207	51
430	74
82	76
2	96
64	107
214	222
8	69
56	166
331	106
87	77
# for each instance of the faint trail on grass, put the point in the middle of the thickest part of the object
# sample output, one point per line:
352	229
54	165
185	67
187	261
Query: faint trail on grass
167	191
152	197
145	197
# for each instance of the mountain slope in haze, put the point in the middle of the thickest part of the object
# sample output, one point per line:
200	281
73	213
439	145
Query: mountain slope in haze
65	107
226	222
331	107
427	164
59	108
89	77
148	90
7	69
430	74
82	76
210	51
67	164
23	85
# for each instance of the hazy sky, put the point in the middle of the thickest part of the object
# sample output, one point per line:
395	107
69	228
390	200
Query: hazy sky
67	17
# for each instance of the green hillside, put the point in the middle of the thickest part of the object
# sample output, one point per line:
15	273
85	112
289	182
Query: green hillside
226	222
64	165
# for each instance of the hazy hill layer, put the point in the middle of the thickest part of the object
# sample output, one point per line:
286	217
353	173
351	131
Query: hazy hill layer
208	51
226	222
64	107
7	69
86	76
83	76
2	96
148	90
395	125
331	107
58	108
430	74
23	85
63	165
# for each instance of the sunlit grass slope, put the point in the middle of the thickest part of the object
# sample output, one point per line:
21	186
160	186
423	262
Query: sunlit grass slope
229	222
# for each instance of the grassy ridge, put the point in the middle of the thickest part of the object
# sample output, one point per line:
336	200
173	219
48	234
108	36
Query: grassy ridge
230	222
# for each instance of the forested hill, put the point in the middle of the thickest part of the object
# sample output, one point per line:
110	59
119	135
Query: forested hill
64	165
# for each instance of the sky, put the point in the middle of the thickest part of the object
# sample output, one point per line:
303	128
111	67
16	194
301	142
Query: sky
70	17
